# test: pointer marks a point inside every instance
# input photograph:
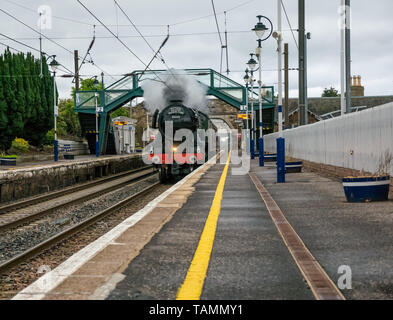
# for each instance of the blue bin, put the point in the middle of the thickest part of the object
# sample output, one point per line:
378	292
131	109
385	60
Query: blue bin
366	189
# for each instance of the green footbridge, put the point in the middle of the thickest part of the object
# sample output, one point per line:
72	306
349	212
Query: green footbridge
128	88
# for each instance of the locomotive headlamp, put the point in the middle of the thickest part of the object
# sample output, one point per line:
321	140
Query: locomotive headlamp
252	63
174	149
260	28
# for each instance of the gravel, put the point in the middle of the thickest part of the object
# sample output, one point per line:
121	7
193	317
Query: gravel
16	241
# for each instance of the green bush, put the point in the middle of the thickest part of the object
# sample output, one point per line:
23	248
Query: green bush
20	145
49	137
47	148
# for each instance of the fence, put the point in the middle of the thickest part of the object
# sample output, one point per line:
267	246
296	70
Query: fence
357	141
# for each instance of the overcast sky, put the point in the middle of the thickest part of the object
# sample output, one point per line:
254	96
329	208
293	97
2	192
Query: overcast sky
195	44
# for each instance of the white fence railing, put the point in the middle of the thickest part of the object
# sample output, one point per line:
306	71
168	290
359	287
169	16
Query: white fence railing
357	140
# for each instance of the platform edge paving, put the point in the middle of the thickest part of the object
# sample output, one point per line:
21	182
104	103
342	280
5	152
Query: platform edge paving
46	287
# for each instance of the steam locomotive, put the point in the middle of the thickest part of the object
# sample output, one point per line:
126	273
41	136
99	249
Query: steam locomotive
173	158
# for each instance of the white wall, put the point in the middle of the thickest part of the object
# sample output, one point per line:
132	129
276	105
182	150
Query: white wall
368	133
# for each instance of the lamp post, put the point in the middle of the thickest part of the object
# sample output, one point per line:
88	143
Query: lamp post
54	65
246	81
96	84
260	31
280	140
252	63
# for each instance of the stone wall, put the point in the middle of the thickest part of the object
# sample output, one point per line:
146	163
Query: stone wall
222	110
334	172
25	182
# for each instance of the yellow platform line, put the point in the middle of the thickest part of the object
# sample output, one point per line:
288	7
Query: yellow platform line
191	288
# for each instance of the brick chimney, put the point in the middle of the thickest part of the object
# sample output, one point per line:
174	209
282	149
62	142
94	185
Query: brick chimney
357	90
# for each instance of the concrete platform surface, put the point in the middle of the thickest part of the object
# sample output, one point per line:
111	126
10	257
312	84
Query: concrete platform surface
250	258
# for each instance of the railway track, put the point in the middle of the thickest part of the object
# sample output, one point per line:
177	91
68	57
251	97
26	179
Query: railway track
52	195
25	211
67	233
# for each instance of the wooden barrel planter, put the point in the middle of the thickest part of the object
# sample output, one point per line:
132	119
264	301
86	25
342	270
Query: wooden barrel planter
366	189
293	167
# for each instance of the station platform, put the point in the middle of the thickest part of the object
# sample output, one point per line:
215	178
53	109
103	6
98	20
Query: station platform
29	179
215	235
51	162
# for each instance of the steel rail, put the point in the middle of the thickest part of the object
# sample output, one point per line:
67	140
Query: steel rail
34	216
38	199
47	244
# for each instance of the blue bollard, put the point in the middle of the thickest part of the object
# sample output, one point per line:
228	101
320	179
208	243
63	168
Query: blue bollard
261	153
280	160
252	146
56	150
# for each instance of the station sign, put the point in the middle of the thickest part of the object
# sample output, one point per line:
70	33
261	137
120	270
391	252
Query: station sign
121	123
243	116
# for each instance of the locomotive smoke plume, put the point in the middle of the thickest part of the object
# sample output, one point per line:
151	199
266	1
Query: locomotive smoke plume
178	86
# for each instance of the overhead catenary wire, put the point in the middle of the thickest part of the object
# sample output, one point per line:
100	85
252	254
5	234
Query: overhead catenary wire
8	46
32	48
210	15
146	36
88	49
122	42
215	17
139	25
289	23
137	30
219	35
31	28
49	39
111	32
53	16
149	45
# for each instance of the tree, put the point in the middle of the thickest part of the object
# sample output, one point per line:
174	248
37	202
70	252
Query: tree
331	92
68	119
26	100
121	112
4	141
